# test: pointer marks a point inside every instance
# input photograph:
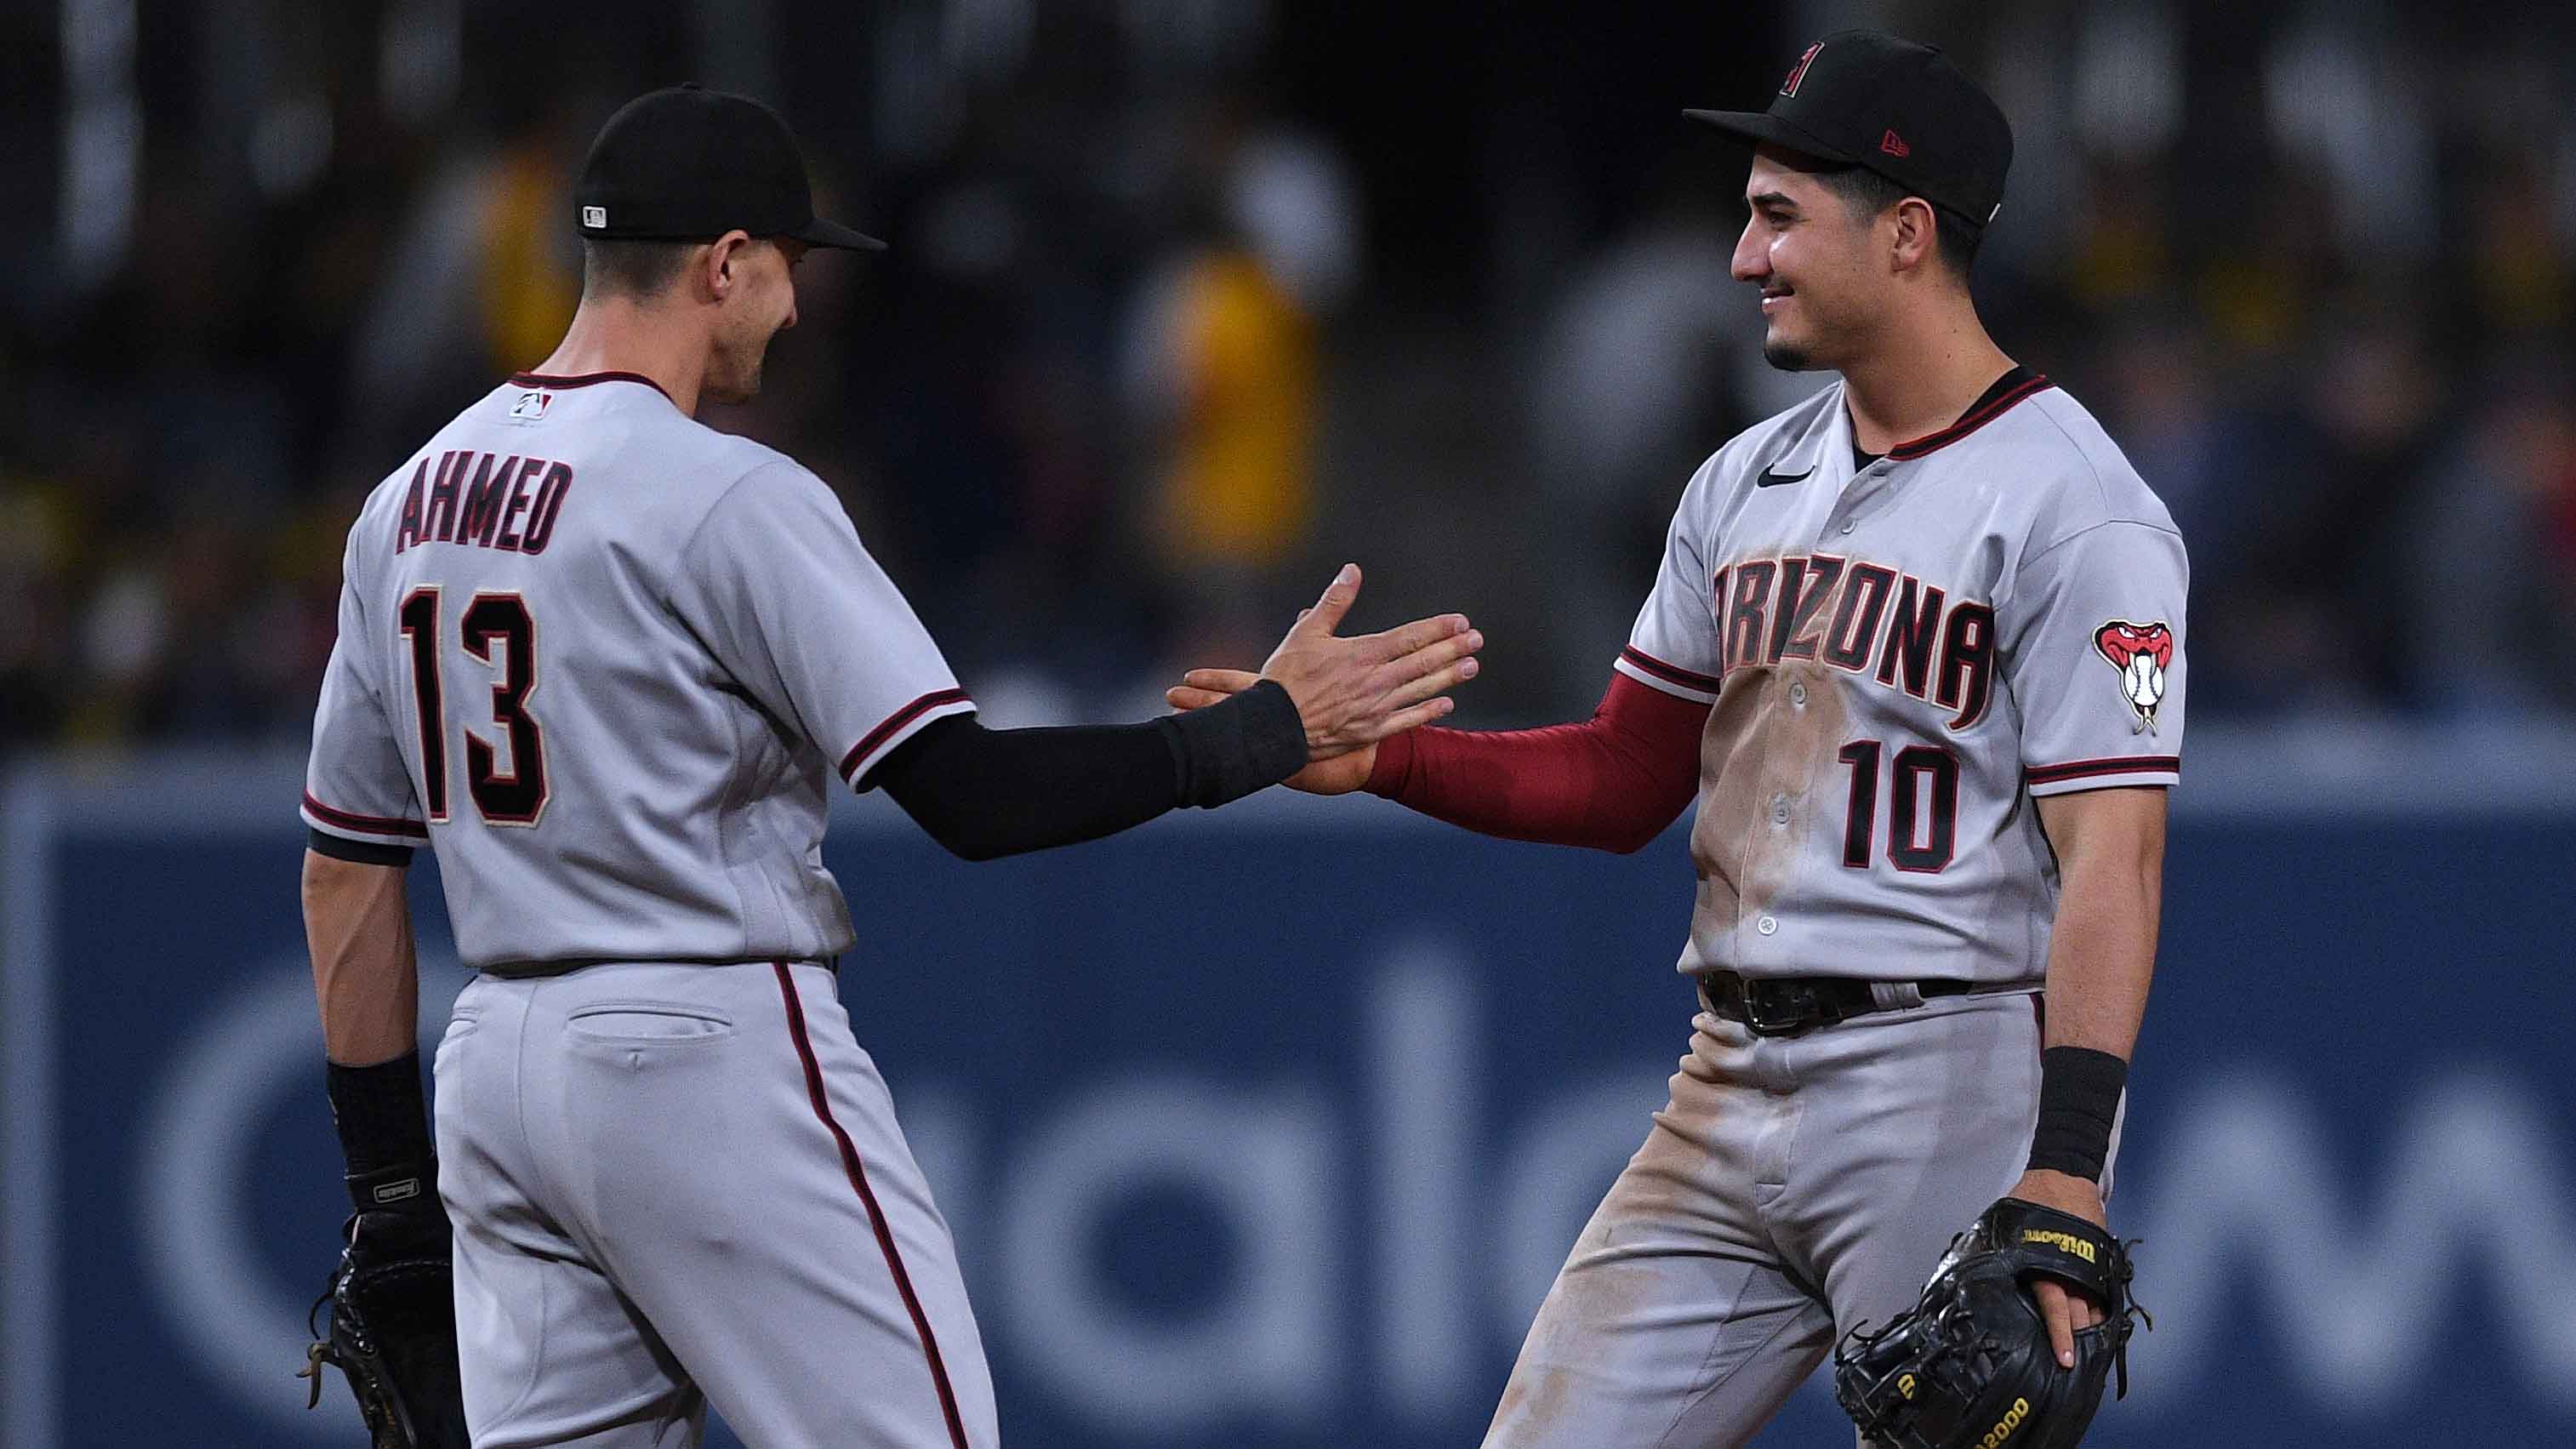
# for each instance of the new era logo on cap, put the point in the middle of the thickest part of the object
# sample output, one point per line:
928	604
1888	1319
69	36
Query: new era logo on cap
594	216
1894	145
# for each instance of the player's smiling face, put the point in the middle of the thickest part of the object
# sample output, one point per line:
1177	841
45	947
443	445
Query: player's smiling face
1805	250
761	301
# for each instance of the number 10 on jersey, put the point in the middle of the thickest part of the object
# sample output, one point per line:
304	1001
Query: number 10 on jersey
516	796
1921	776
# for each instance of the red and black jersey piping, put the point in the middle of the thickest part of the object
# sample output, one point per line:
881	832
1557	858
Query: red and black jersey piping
2094	769
2012	388
582	379
856	1171
897	721
372	824
1669	673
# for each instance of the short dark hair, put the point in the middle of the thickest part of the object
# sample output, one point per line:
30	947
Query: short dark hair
1867	194
623	267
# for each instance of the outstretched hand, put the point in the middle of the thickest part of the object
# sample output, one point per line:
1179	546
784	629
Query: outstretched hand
1353	692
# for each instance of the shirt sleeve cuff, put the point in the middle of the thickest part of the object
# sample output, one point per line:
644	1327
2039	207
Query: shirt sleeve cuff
360	852
2073	775
899	726
1672	679
373	829
1392	767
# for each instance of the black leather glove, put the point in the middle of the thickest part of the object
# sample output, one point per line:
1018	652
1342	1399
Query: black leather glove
393	1314
1969	1366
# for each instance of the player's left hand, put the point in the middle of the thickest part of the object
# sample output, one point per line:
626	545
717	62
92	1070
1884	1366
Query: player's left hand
2065	1309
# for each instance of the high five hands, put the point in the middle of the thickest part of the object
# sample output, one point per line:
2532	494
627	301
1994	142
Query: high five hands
1352	692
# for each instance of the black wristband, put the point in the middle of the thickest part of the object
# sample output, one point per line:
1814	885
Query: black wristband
2079	1099
410	1187
382	1115
1226	751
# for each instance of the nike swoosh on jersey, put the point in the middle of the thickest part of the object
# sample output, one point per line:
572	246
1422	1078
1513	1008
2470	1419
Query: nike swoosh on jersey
1770	479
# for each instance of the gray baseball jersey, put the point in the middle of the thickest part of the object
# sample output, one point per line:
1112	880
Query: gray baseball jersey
606	659
1900	657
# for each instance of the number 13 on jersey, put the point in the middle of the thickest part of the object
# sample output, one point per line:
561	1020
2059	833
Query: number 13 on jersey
515	795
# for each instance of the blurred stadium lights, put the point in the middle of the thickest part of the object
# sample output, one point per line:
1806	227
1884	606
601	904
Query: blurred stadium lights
102	138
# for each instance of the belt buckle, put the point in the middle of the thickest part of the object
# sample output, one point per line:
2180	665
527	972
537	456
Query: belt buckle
1787	1024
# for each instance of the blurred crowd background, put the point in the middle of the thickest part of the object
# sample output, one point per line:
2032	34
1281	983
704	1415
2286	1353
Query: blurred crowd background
1191	299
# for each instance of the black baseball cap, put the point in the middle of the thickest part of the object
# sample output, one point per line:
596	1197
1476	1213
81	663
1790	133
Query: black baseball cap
1864	98
688	164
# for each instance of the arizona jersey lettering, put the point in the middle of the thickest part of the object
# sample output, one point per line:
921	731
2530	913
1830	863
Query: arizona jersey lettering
1900	657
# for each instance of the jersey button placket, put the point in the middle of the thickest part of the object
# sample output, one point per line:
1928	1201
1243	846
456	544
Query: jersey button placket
1864	487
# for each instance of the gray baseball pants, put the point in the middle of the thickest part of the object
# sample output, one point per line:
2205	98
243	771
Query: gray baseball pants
1792	1187
675	1185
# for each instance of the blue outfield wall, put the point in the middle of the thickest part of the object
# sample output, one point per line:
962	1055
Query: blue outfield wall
1270	1133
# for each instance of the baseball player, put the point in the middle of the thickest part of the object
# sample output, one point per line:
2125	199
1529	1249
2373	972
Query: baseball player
606	661
1916	646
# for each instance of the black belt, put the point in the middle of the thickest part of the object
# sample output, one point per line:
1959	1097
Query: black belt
1787	1005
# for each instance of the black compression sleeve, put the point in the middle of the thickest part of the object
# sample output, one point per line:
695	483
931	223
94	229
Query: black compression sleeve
1226	751
989	793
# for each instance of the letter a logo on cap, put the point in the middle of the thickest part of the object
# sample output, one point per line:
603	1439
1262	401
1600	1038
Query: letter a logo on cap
1798	72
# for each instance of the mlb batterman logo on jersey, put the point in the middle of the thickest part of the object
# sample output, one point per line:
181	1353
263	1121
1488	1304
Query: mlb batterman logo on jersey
2141	652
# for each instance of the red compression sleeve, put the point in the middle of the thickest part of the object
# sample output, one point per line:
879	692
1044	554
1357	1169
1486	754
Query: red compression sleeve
1613	782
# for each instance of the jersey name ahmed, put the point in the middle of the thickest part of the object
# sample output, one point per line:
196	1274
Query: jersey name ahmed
606	661
1900	657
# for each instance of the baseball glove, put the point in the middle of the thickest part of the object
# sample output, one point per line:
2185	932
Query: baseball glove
393	1330
1970	1365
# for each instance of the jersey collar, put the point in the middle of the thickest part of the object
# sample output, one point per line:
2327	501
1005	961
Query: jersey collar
583	379
1827	443
2008	390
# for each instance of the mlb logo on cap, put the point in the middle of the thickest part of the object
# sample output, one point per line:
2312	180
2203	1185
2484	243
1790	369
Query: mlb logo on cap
594	216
